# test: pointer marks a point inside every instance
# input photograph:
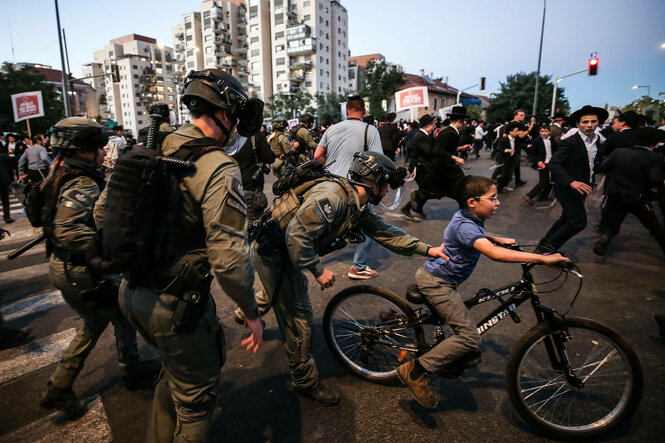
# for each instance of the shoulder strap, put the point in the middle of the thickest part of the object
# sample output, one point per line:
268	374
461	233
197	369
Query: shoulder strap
195	148
365	148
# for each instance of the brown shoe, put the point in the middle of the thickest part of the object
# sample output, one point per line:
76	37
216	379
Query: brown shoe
528	199
419	387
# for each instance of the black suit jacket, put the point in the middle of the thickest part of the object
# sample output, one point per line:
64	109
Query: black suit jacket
570	162
501	155
622	139
389	138
538	152
631	172
421	149
447	140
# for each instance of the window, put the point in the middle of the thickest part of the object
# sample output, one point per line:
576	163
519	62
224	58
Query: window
280	61
207	38
306	4
254	40
308	84
254	28
254	53
140	122
208	49
206	14
321	20
279	19
279	48
307	17
139	112
279	35
190	53
136	76
190	64
188	19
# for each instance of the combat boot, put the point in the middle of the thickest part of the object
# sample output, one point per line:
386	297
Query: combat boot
64	399
144	376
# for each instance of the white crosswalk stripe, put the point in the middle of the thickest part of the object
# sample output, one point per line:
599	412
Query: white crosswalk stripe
35	355
92	427
32	305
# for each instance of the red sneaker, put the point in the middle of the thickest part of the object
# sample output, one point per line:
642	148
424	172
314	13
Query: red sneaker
361	274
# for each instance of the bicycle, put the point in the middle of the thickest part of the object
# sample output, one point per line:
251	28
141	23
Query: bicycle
568	377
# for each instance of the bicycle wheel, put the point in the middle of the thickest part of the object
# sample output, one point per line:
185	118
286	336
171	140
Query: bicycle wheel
604	363
370	331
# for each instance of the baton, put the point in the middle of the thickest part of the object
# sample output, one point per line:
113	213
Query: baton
27	246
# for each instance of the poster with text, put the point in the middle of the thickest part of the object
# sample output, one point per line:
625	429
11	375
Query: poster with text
411	98
27	105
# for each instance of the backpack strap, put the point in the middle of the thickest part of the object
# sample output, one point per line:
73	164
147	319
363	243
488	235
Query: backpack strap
365	147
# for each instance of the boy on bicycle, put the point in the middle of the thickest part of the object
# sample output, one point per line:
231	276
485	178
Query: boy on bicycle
437	280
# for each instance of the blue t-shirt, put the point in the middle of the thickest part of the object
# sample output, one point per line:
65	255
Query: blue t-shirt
462	231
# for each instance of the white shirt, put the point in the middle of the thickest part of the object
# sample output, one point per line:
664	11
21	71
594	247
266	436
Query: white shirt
480	133
548	149
512	143
424	132
591	150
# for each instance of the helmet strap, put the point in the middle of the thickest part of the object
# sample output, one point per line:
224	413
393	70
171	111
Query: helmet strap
225	131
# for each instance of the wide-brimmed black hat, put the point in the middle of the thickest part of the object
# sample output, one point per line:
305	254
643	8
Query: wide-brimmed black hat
458	113
632	118
559	114
601	113
649	136
389	117
425	120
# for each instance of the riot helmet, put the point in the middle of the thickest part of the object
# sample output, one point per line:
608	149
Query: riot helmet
78	133
378	168
279	124
209	90
162	109
307	118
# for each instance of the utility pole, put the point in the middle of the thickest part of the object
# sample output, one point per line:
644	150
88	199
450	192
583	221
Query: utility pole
540	52
65	89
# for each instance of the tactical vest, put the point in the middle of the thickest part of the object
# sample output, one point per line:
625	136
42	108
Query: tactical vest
274	140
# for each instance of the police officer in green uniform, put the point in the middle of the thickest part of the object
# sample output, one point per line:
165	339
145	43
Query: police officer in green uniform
286	153
70	193
303	135
330	210
213	221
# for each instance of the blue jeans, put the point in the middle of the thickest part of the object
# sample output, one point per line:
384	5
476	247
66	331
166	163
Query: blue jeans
362	251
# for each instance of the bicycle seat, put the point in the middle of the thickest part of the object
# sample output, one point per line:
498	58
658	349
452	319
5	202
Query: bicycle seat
414	295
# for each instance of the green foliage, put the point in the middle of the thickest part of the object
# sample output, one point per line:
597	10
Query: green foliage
475	111
381	82
15	81
287	105
654	110
329	110
517	93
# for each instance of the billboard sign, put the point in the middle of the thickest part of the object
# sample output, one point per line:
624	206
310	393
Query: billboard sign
27	105
411	98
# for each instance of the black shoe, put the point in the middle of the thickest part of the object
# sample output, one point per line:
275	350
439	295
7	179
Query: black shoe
64	399
600	247
320	393
9	220
420	213
660	319
406	210
528	199
144	377
10	338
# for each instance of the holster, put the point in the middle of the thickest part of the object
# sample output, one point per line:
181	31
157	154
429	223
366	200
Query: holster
268	236
192	291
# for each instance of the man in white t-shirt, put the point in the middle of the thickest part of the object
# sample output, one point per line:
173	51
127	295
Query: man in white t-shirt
336	150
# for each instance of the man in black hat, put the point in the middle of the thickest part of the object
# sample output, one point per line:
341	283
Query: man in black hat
572	169
448	138
389	134
624	126
420	150
631	173
556	130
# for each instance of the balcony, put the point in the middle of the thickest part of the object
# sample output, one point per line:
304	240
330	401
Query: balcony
240	48
219	30
297	32
216	14
242	21
301	47
179	47
301	65
180	36
297	78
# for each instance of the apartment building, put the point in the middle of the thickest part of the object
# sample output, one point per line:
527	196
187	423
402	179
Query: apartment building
271	46
140	73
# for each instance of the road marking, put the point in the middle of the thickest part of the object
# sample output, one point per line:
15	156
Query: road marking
33	356
17	276
93	426
32	305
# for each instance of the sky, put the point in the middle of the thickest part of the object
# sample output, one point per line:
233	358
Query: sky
463	40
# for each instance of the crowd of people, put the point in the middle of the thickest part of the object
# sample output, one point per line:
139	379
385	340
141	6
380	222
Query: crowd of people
205	236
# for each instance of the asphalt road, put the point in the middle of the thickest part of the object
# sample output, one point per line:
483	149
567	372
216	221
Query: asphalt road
624	289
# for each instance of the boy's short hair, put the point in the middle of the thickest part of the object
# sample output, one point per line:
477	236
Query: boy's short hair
544	126
475	186
512	125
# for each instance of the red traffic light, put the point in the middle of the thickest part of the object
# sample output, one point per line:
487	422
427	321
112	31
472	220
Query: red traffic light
593	66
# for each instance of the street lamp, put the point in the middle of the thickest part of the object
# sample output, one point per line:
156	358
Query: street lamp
644	86
662	46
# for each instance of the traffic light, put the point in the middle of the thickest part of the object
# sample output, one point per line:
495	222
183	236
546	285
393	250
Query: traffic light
593	66
482	83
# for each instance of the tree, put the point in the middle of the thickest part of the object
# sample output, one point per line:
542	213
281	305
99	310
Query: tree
381	80
517	93
328	107
475	112
290	105
652	109
15	81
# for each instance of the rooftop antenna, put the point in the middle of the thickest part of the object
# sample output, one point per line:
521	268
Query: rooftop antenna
11	39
